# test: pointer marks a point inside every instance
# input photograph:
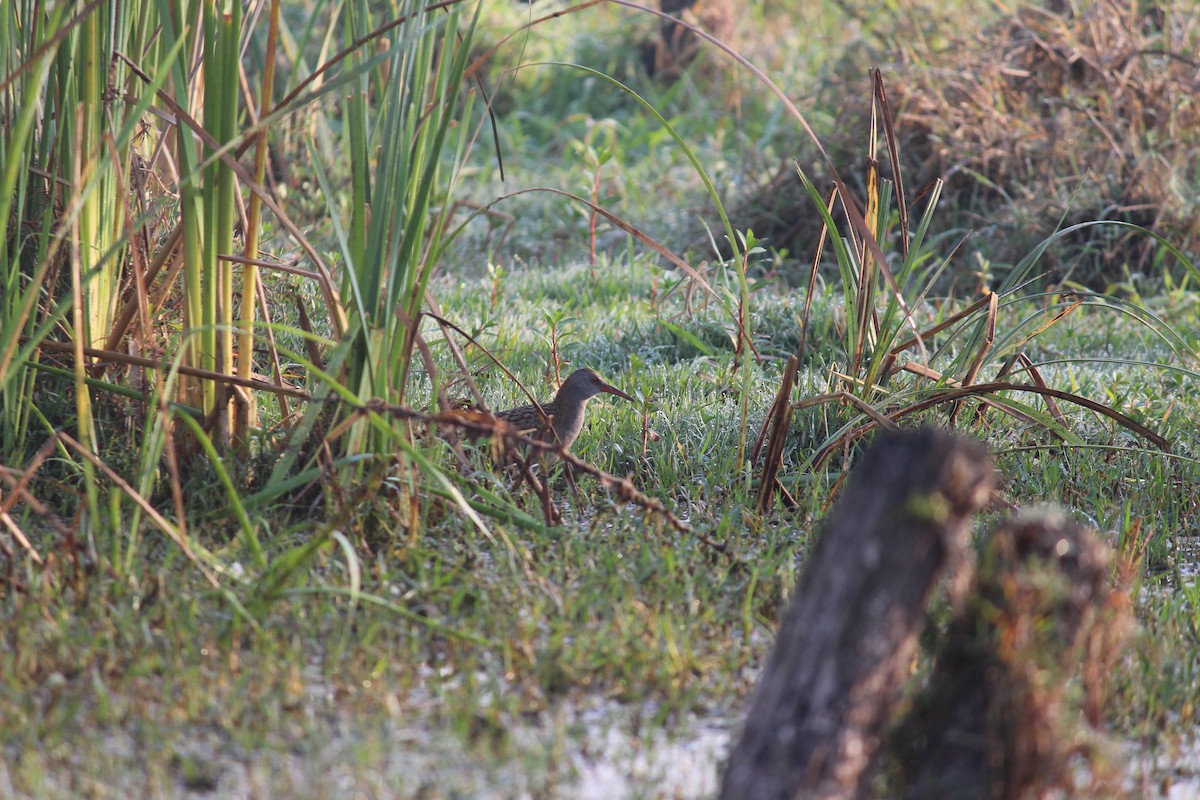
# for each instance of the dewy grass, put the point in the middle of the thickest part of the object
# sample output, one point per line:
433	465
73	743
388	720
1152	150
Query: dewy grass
494	662
495	658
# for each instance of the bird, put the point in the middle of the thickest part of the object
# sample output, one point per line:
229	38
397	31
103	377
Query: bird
564	413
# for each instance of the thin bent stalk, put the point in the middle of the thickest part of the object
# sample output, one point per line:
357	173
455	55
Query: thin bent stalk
246	419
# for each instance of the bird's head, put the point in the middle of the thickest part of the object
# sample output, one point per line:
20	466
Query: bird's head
585	383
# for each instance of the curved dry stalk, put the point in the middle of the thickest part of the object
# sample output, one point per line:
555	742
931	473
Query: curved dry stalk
479	425
18	490
889	132
447	323
880	418
195	372
941	326
633	231
981	389
776	424
853	212
19	535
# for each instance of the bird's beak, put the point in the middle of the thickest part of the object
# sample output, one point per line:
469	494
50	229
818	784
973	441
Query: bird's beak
609	389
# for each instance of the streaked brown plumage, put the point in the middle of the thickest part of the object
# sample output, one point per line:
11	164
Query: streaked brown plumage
565	411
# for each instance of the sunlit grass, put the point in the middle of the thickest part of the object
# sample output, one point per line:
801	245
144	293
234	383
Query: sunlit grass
610	604
365	642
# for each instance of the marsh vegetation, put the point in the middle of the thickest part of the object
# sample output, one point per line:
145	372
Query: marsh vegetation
260	263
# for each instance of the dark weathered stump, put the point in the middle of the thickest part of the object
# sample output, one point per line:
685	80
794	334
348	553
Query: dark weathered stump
818	714
994	720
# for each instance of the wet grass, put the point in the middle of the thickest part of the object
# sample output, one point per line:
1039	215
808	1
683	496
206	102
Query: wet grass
463	665
466	670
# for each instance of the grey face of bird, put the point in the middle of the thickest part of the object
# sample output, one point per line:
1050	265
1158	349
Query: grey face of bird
587	383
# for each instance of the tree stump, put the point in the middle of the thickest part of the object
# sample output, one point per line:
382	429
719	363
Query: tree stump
818	715
995	720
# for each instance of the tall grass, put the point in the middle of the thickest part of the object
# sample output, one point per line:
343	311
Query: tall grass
97	254
395	235
27	57
94	258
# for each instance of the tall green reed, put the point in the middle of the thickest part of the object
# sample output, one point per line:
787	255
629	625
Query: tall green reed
398	148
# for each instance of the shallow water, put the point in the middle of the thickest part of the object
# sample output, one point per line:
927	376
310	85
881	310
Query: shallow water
1173	774
617	765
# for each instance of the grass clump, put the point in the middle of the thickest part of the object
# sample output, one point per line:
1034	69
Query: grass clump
1073	111
1036	118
